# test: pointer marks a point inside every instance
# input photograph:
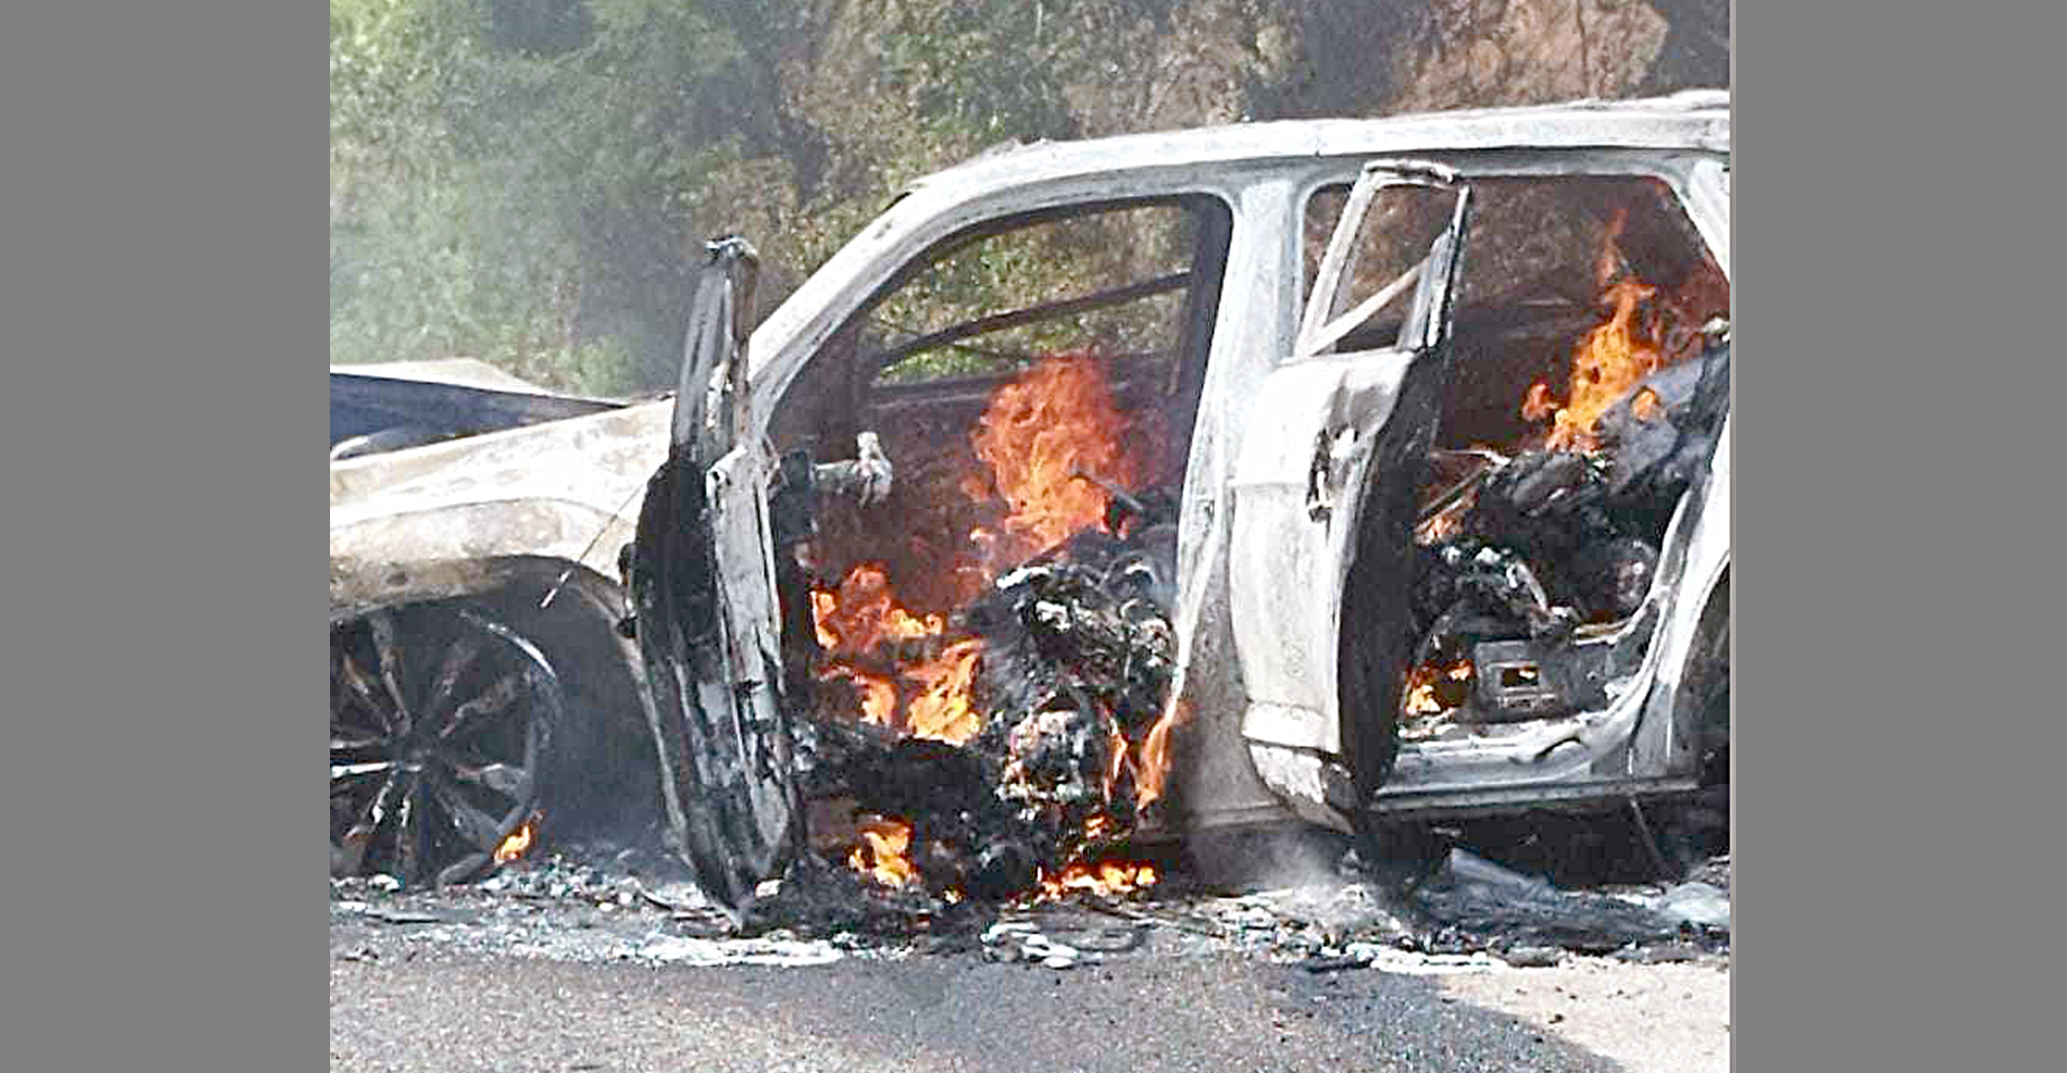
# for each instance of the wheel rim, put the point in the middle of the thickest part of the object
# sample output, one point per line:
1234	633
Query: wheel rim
439	717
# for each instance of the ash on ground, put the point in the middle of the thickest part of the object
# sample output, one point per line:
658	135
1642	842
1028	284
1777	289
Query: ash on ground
602	900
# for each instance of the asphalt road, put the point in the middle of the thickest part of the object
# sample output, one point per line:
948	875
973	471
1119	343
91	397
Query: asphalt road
398	1007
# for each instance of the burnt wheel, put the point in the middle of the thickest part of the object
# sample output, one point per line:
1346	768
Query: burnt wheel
440	719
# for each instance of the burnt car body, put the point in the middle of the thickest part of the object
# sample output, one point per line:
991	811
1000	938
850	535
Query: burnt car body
1354	384
477	676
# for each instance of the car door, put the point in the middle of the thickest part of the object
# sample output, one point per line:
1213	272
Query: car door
1325	485
705	610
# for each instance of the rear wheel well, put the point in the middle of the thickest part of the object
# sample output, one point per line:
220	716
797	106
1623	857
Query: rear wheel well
604	772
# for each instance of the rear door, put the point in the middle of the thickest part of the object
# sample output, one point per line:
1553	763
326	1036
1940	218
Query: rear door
704	597
1330	466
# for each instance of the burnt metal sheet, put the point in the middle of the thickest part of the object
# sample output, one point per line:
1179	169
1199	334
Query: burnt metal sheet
702	591
362	404
565	489
725	775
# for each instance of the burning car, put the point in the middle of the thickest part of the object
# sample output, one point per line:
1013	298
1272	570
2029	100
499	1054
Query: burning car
1340	472
1345	472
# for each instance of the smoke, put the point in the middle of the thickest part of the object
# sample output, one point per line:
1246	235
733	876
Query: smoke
1269	858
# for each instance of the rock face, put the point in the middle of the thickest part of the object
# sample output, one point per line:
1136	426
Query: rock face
1214	61
1217	61
1135	65
1474	53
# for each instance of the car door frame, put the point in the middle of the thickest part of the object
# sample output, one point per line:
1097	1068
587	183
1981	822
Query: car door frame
1302	491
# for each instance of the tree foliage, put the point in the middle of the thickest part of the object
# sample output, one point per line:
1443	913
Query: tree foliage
529	181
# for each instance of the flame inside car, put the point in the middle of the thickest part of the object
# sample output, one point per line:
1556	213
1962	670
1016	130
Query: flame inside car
865	633
1040	432
1432	689
944	710
915	671
1645	331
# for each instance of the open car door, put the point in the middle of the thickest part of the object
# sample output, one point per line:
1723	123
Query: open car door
1325	500
704	599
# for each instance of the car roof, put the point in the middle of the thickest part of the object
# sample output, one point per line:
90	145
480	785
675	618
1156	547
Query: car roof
1692	119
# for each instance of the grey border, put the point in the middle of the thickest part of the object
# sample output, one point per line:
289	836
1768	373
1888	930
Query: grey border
161	434
161	418
1899	282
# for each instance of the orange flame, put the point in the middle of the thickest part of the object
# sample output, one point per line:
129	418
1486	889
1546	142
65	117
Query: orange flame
878	696
1608	263
1643	334
1154	768
1424	681
518	841
1116	763
825	607
1055	421
861	619
1421	691
944	710
864	614
881	854
1040	433
1608	361
1104	877
1646	405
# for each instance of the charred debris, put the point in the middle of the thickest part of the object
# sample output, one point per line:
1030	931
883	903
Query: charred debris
1076	660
